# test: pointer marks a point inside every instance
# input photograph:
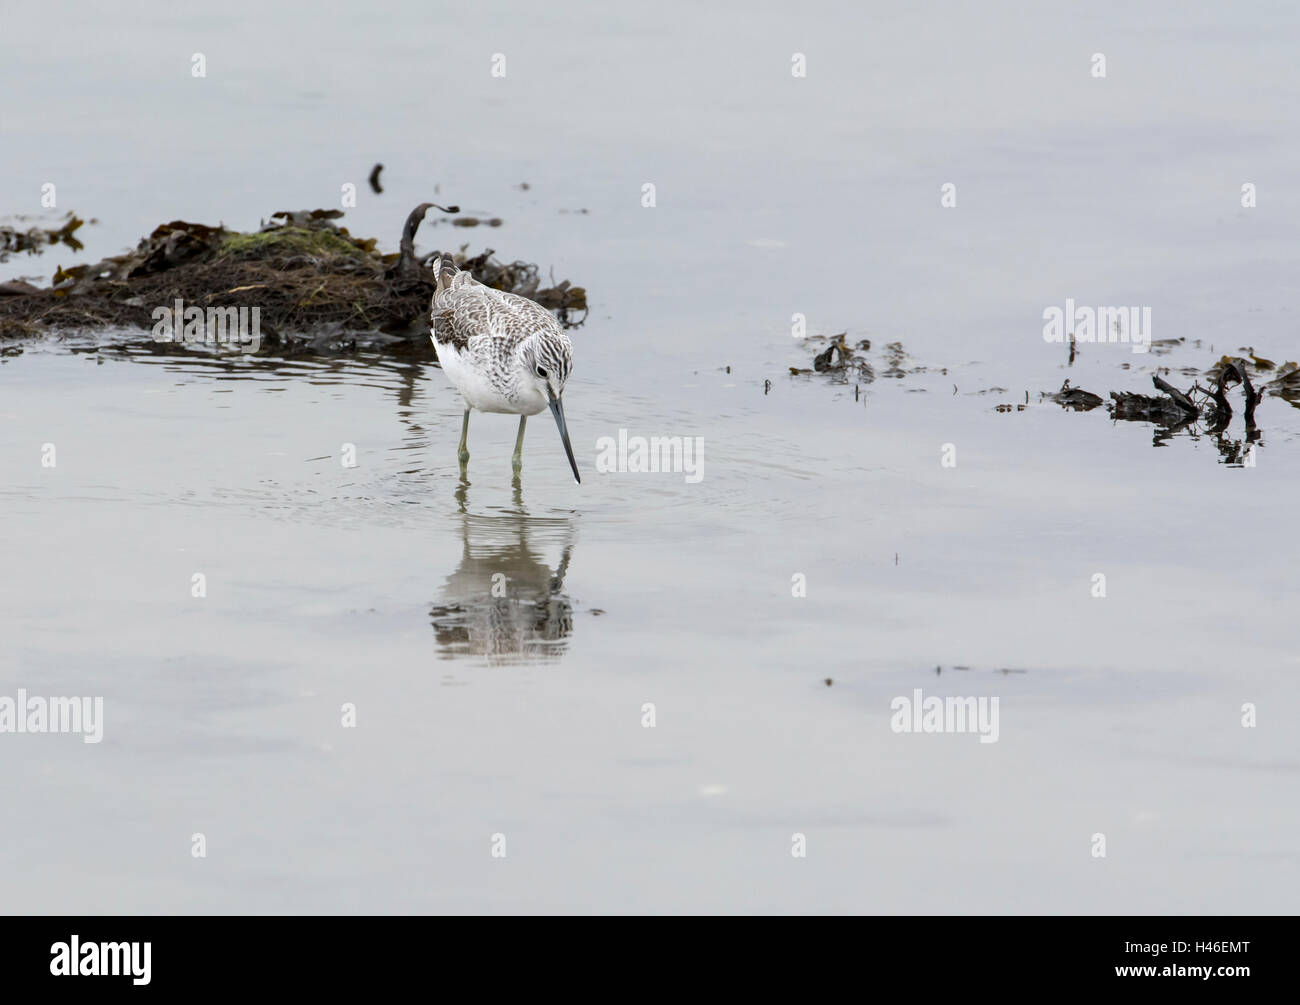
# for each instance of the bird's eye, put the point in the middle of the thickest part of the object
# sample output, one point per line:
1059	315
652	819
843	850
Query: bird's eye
541	373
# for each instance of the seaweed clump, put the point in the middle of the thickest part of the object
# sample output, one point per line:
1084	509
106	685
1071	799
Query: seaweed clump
842	362
316	286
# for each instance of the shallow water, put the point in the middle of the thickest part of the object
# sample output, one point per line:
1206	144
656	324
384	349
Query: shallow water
522	714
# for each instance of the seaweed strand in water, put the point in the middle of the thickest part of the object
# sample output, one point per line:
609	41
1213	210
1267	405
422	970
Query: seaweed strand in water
34	240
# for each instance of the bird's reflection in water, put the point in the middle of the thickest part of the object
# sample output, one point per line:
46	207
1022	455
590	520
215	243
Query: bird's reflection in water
505	603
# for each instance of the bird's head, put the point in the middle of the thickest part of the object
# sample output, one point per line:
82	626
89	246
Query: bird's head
548	359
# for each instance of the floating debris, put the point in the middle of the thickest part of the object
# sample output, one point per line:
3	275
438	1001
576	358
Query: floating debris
1203	410
895	361
1179	408
34	240
1076	398
1286	384
842	361
1131	407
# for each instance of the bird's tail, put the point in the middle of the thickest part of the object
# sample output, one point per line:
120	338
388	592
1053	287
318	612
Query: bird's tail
444	270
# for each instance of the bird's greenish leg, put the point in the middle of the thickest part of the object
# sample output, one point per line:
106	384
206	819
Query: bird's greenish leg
517	461
463	453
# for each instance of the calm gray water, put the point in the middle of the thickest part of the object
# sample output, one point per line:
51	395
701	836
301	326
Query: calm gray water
522	716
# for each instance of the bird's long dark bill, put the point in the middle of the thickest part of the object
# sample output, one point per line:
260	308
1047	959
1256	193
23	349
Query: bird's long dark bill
557	410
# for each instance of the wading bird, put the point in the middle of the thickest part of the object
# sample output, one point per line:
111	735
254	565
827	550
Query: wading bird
502	352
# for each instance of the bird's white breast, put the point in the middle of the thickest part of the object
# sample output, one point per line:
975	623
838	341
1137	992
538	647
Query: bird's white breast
484	390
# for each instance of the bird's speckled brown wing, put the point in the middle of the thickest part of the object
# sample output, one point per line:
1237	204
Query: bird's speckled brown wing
464	310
